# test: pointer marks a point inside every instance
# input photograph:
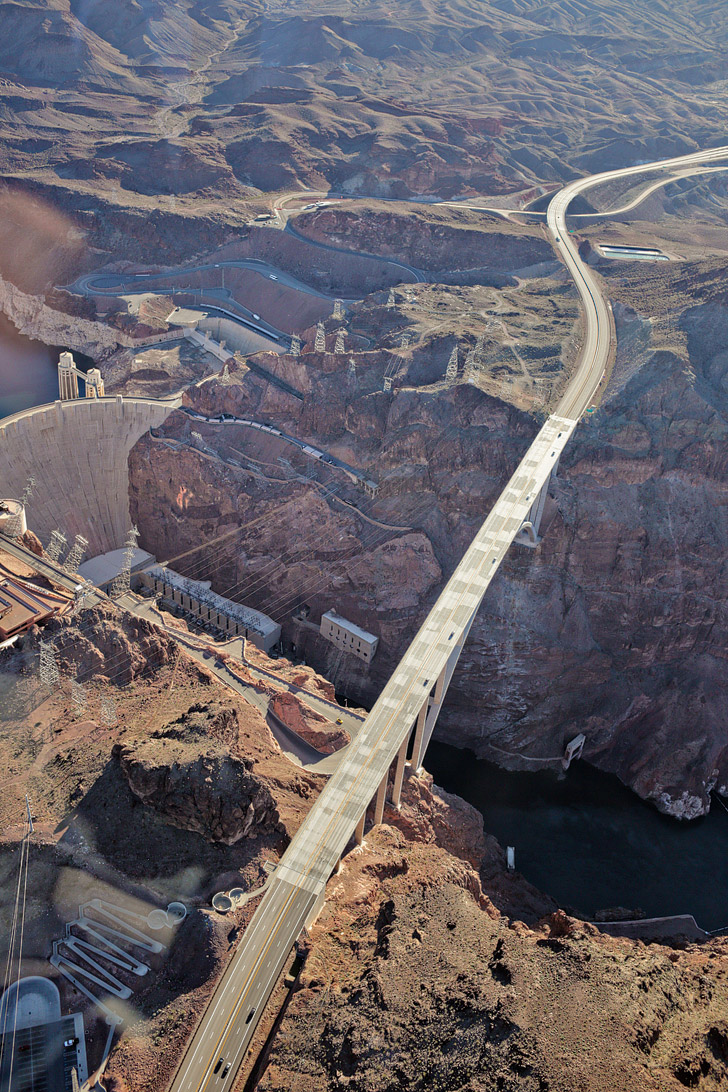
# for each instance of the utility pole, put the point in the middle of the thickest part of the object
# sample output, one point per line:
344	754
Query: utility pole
30	817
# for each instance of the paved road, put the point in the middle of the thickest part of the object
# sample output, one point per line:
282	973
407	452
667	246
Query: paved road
52	571
206	653
299	882
595	351
355	475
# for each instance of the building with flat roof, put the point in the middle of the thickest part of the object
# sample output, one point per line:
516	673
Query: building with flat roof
23	605
196	598
104	568
40	1047
348	636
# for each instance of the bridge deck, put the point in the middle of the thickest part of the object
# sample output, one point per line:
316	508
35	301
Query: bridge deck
301	877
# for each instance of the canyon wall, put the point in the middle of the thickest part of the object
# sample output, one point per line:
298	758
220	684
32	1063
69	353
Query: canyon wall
616	626
34	318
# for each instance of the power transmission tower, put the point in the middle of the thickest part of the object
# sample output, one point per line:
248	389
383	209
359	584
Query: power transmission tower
473	361
48	666
75	554
78	697
320	342
108	712
56	545
452	365
390	298
352	367
338	312
83	591
295	345
339	346
122	581
28	491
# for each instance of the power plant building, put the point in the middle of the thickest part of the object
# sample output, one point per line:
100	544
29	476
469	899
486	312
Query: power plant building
196	598
348	636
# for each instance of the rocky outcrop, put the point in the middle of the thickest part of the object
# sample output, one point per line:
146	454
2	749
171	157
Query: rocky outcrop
312	727
34	318
104	643
427	243
213	794
414	979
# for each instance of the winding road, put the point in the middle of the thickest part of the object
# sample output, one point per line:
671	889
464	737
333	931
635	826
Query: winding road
298	886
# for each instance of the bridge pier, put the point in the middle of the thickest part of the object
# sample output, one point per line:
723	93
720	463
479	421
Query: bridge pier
359	832
433	704
380	799
528	534
417	749
401	762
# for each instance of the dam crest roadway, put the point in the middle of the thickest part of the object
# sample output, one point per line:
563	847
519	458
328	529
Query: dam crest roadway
402	720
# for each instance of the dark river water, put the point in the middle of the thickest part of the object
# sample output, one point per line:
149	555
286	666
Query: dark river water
28	375
29	370
585	839
591	843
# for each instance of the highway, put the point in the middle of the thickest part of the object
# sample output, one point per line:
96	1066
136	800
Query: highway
52	570
298	885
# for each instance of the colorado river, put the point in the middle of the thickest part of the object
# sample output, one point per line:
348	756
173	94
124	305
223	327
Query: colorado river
591	843
28	375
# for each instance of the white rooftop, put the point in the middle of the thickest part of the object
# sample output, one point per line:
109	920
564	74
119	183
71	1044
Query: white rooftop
29	1002
104	567
352	627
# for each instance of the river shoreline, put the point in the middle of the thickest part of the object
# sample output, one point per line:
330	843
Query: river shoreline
591	843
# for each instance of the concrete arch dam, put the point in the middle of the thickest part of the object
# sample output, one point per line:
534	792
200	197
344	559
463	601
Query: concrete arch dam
78	454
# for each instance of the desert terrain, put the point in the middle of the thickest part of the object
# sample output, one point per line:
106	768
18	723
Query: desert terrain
372	180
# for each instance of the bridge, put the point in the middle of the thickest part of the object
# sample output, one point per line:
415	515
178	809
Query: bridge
403	718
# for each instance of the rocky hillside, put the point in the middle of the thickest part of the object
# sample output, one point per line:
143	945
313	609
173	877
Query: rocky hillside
415	979
149	781
164	126
615	627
